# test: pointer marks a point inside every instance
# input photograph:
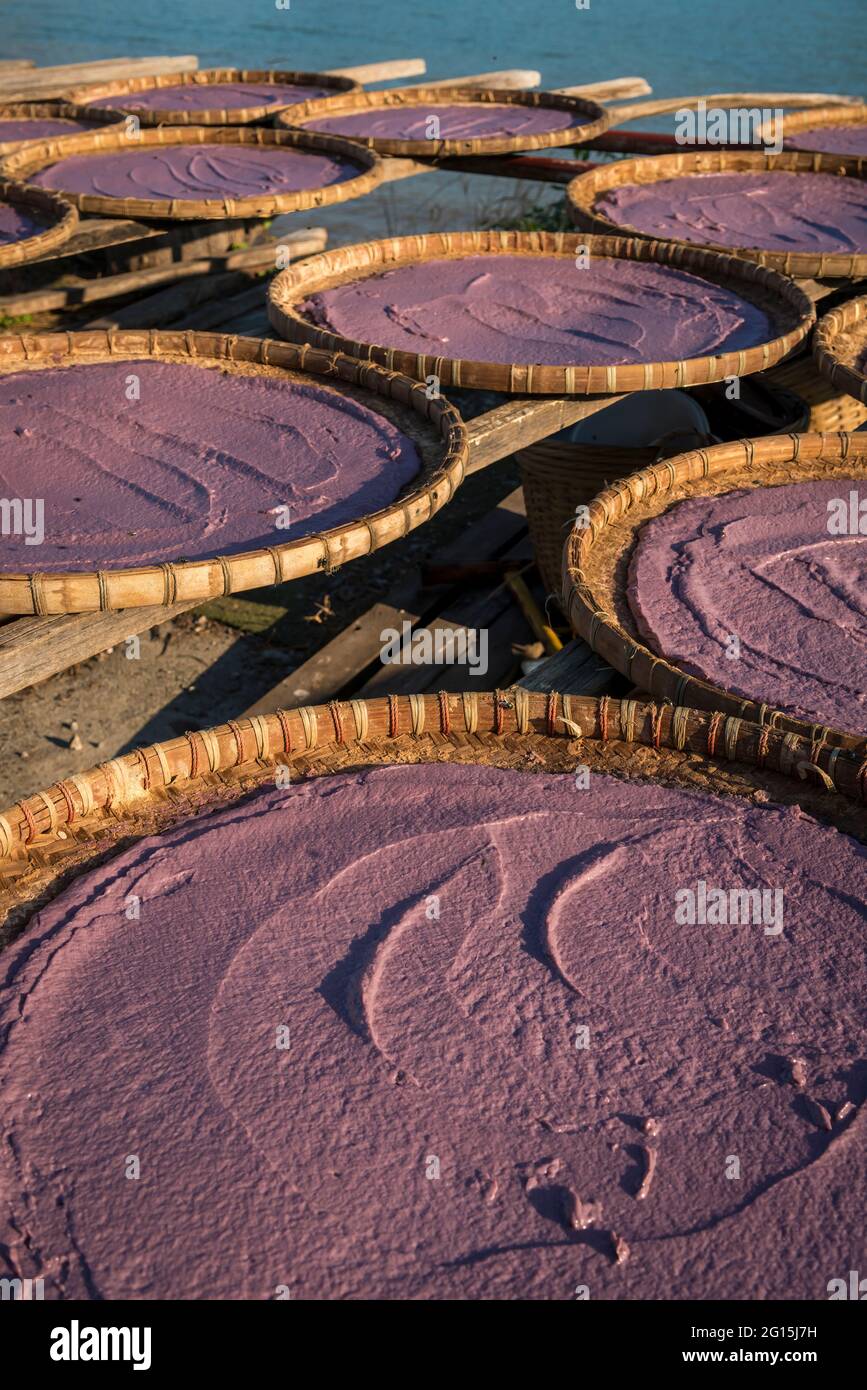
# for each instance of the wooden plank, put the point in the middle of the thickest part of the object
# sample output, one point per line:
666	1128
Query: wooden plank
54	81
494	612
225	313
576	670
177	301
509	79
539	169
789	100
335	666
32	649
101	233
259	257
516	424
614	89
366	73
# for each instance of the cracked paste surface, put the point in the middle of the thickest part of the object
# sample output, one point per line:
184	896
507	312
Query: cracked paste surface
421	1044
832	139
456	121
40	128
761	564
775	211
16	225
195	171
215	96
542	309
200	465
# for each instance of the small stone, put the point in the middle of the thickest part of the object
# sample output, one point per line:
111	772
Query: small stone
797	1076
579	1215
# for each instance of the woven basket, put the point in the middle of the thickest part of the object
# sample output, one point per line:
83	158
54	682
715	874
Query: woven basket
47	838
590	119
434	425
583	191
817	118
50	110
558	476
82	98
790	310
840	351
24	163
595	560
58	217
830	409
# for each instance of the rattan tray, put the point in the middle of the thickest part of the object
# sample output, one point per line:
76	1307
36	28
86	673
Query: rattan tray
840	348
590	119
59	217
82	98
596	558
24	163
51	110
47	838
434	426
583	191
786	303
817	118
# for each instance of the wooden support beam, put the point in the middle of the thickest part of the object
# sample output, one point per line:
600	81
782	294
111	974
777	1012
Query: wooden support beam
614	89
337	666
510	79
48	82
32	649
537	168
259	257
367	73
518	423
661	105
576	670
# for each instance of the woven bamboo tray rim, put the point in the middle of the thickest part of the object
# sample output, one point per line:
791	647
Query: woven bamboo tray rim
839	343
591	119
24	163
82	98
52	208
613	520
817	118
773	292
582	192
87	814
116	587
49	110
